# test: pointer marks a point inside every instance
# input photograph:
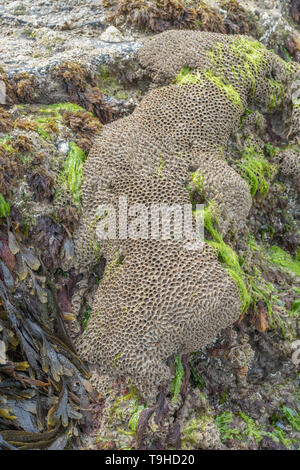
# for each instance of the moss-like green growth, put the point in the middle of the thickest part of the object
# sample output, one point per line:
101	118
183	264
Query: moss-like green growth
246	113
178	376
251	430
253	288
53	113
284	259
251	59
279	316
160	167
270	150
223	422
228	89
133	422
86	315
193	430
116	358
187	76
197	178
124	414
67	106
73	171
115	265
25	158
277	94
253	56
43	133
256	170
6	142
197	379
110	85
226	254
96	248
47	116
292	416
295	309
4	206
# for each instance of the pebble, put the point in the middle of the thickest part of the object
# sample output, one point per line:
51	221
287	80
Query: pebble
112	34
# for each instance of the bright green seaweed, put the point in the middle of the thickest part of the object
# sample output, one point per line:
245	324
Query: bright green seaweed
73	171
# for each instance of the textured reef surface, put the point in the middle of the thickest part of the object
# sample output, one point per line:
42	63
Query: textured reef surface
157	298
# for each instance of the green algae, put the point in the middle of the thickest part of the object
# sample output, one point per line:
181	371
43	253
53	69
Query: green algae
253	56
251	59
66	106
116	358
110	85
96	248
25	158
4	206
246	113
250	55
292	416
198	180
277	94
228	89
252	287
256	170
253	52
197	379
295	308
263	290
114	266
43	133
73	171
283	259
252	430
223	422
193	428
227	256
187	76
133	422
86	315
127	409
53	113
160	167
178	377
195	77
270	150
6	142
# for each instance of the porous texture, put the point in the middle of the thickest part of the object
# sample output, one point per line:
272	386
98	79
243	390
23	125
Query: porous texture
157	298
289	162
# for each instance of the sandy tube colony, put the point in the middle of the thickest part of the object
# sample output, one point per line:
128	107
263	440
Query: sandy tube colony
156	298
126	126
